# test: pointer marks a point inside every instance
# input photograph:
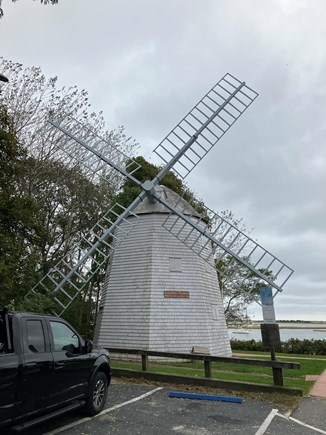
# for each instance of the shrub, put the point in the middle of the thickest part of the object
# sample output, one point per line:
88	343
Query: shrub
294	345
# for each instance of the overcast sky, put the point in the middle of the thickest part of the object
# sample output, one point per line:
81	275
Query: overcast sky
146	63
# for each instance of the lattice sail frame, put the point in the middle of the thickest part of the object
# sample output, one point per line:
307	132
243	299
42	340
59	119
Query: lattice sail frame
205	124
224	246
78	267
181	150
62	130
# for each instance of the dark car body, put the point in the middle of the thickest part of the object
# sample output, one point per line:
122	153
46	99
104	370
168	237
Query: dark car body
46	367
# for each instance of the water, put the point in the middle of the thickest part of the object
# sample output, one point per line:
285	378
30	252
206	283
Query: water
300	331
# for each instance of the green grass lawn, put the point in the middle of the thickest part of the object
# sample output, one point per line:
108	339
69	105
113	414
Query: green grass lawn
236	372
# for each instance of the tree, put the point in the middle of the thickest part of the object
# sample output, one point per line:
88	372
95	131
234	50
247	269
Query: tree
45	208
61	198
148	171
239	286
30	98
45	2
17	228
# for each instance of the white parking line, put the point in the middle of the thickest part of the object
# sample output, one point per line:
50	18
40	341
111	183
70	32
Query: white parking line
266	422
302	424
105	411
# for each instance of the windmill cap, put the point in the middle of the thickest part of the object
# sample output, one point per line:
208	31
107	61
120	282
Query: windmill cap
169	196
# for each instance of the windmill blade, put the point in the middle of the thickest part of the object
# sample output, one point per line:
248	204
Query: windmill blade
220	240
84	146
76	270
72	274
182	149
188	143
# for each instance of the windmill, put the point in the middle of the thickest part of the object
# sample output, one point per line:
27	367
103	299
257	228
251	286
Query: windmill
207	236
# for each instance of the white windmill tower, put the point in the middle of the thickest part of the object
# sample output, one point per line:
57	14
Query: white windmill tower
160	293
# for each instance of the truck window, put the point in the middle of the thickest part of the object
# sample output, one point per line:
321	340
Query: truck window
35	336
64	338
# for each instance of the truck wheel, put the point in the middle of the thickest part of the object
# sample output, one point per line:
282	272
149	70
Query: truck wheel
97	394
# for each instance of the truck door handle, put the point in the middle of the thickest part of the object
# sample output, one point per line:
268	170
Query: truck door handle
59	364
31	364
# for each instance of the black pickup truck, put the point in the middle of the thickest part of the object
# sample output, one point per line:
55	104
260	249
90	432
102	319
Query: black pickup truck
46	369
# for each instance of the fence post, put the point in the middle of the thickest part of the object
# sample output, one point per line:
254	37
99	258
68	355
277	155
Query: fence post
144	362
278	376
208	368
277	372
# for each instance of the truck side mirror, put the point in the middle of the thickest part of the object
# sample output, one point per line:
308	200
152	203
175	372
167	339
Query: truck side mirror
89	346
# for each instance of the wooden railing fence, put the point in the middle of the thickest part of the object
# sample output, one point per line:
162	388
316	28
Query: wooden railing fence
276	366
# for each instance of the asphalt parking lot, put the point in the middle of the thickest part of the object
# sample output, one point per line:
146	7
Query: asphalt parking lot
143	409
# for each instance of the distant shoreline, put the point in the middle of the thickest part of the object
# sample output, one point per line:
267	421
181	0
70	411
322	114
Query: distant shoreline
288	330
291	324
